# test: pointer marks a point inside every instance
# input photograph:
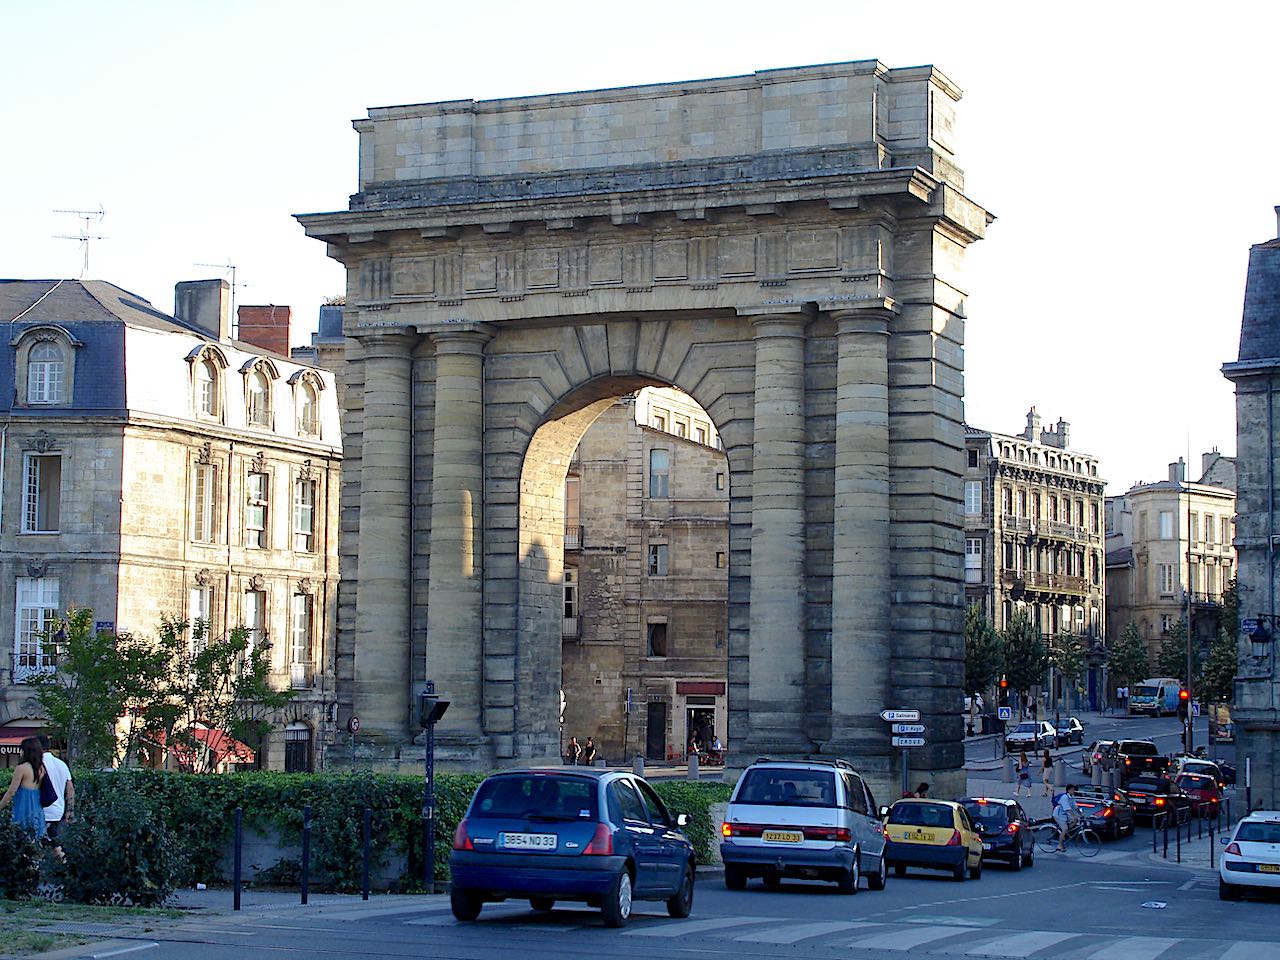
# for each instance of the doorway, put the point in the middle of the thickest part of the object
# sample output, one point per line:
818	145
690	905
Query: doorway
655	734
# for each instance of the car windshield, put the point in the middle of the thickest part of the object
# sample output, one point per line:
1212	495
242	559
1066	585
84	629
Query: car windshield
921	815
1204	769
1258	832
1191	781
1026	727
988	814
787	787
536	796
1144	783
1142	690
1138	748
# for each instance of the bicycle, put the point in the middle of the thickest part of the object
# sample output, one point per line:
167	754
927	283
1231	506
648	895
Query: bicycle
1085	840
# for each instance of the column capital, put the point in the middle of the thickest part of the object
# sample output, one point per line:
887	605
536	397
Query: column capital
385	341
777	311
869	316
461	337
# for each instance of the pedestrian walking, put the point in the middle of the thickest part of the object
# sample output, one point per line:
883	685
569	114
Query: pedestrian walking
63	809
1046	763
24	789
573	755
1024	775
589	755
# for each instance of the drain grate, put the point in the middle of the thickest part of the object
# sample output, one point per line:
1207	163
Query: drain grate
71	926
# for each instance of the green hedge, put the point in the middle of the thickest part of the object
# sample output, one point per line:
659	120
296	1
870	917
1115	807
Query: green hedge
197	813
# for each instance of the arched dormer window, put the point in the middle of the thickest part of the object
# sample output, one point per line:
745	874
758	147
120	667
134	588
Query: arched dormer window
258	375
207	364
306	402
45	357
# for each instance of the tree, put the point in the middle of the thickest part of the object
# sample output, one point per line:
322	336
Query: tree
1171	658
1217	685
1127	660
983	652
215	682
1025	658
1067	657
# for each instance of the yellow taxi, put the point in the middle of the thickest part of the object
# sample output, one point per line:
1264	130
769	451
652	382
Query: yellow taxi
933	834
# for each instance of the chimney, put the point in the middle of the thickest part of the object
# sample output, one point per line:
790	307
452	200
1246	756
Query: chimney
1032	432
266	327
1178	471
205	304
330	323
1064	434
1207	460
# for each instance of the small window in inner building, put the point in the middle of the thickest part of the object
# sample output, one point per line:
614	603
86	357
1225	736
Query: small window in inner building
657	639
657	559
719	481
722	560
973	458
700	434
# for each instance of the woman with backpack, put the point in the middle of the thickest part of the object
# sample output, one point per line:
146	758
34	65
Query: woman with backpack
25	789
1024	775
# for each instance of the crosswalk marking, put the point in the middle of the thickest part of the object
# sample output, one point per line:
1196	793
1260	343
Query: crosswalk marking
1133	948
803	931
905	939
1020	944
693	926
1250	950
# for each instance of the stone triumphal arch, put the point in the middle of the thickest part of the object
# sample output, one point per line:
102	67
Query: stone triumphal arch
785	248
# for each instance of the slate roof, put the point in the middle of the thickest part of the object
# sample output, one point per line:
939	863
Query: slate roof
1260	326
79	301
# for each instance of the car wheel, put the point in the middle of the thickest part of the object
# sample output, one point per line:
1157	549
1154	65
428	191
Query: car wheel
681	901
848	882
772	880
1030	859
959	871
1016	863
466	904
616	906
1227	891
975	872
541	904
734	878
877	880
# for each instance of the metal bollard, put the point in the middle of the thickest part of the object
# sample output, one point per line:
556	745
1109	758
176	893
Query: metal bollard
637	765
1095	775
306	851
368	840
1213	843
1060	773
236	866
1153	833
1008	769
1165	853
1178	839
693	766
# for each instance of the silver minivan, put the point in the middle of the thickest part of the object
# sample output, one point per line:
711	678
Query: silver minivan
809	819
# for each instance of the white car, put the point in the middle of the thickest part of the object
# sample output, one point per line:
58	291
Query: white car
1252	855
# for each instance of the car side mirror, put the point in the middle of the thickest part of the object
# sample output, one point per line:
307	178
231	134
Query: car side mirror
682	819
884	812
1224	840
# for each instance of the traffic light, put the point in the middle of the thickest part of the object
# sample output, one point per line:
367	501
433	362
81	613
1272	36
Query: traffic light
1184	700
1004	692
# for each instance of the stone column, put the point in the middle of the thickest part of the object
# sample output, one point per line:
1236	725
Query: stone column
860	589
777	608
455	622
383	569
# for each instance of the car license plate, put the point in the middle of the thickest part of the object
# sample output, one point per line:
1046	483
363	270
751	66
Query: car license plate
783	836
986	846
528	841
1269	868
920	836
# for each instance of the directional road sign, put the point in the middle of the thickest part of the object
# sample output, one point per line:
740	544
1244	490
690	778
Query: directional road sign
908	728
892	715
908	741
1195	708
1004	713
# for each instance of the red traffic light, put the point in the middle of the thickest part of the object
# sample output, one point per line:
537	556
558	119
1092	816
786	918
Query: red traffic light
1004	684
1184	694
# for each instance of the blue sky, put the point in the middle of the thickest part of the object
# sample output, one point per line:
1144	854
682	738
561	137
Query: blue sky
1131	152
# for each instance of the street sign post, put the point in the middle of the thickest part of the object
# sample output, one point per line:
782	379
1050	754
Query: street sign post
905	720
1004	713
892	715
1195	708
907	728
909	741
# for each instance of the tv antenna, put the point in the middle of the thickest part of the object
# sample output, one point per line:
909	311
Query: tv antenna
88	216
228	268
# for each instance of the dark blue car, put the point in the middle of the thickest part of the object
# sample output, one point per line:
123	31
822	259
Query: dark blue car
599	837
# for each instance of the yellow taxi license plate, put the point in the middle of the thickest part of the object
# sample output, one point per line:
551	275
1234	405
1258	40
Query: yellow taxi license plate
920	836
783	836
1269	868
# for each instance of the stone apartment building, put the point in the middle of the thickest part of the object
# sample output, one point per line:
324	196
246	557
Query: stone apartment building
1170	553
1256	375
153	465
1034	535
646	579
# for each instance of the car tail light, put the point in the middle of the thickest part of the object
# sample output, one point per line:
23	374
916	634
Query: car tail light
1011	828
955	839
1234	849
601	844
837	834
461	840
1159	801
1107	812
741	830
1127	761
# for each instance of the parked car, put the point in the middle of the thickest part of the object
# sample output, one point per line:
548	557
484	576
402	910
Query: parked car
1152	796
1005	830
933	834
814	819
1068	730
1155	696
1201	766
581	834
1252	855
1031	735
1139	758
1100	752
1107	813
1204	791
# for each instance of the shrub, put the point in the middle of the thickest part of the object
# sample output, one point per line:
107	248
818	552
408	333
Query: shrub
20	855
695	800
117	852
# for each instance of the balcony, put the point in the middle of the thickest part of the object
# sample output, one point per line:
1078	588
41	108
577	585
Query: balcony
299	676
23	666
1206	600
573	538
569	628
1055	583
1016	524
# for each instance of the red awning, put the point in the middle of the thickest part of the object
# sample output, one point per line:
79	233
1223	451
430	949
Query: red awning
15	735
224	747
700	686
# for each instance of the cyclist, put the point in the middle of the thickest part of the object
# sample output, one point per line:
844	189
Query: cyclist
1065	812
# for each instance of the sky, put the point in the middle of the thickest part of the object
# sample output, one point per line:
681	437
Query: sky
1130	152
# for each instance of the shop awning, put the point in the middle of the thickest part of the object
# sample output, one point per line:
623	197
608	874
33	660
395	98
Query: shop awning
11	738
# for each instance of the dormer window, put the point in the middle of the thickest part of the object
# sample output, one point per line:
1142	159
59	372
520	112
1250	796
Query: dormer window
45	357
307	404
207	363
259	399
45	368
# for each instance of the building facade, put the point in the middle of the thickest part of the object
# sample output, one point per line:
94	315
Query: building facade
1034	537
1170	554
1256	375
646	579
154	466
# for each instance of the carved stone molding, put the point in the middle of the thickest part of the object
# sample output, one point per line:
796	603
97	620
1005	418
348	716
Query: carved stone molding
42	441
205	453
204	577
259	464
37	567
306	471
257	582
304	585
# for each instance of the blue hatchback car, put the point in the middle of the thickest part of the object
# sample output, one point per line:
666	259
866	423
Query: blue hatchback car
600	837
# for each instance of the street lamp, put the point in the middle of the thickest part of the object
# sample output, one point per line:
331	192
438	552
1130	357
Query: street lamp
430	709
1260	630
